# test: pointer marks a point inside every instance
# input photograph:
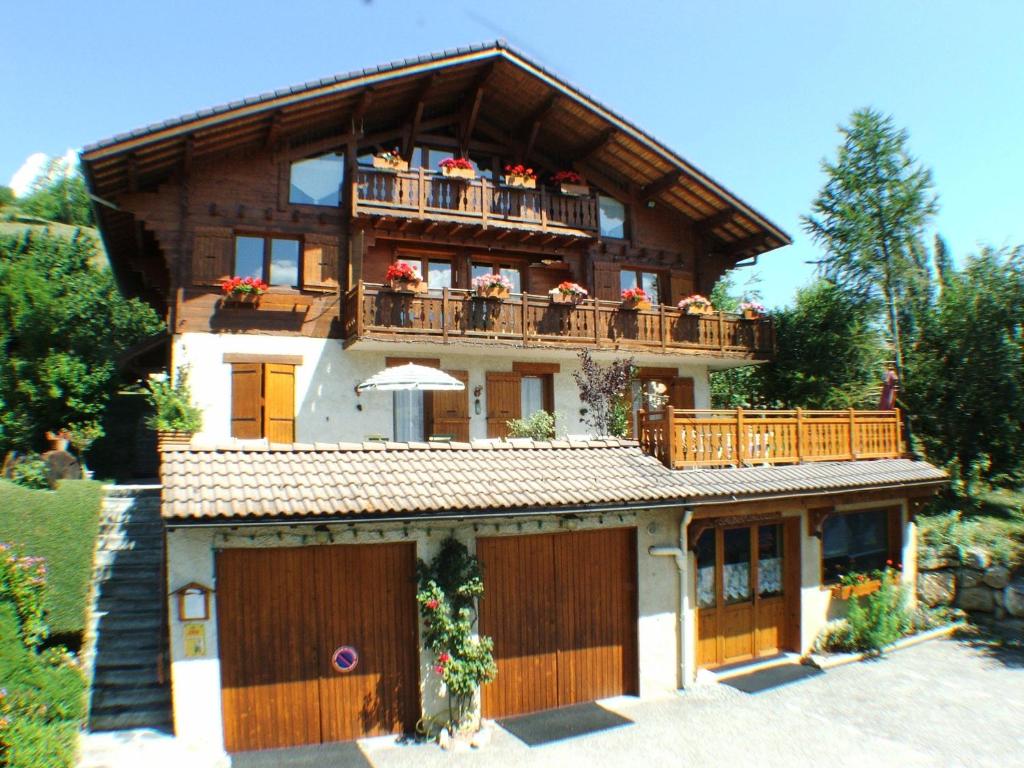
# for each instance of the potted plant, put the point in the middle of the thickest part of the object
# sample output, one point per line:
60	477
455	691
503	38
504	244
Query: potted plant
635	298
492	286
855	584
567	292
696	305
174	417
520	176
390	161
243	290
404	278
752	310
83	435
457	168
570	183
59	440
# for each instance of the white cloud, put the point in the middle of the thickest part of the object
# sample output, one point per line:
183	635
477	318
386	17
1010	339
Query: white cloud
34	167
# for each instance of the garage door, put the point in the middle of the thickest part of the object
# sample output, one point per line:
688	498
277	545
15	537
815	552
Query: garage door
562	611
281	615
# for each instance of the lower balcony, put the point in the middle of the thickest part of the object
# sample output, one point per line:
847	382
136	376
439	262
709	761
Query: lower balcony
453	316
684	439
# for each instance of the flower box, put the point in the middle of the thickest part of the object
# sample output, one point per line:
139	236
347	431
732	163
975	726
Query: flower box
242	300
699	309
632	305
567	292
751	314
167	437
574	190
493	291
393	164
752	310
400	285
524	182
846	591
464	174
566	298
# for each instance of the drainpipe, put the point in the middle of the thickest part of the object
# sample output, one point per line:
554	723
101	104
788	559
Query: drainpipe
679	553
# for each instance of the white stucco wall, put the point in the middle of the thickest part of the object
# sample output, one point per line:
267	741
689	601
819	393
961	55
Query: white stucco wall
327	408
190	556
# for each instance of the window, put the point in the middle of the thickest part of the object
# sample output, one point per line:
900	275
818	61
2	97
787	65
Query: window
612	215
263	401
513	274
649	281
317	180
439	274
532	395
408	416
272	259
855	541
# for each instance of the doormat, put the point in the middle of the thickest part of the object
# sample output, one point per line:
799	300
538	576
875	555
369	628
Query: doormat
772	677
342	754
552	725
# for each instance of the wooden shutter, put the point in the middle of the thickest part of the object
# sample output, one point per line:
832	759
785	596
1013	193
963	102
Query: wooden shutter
680	286
279	403
680	393
503	402
449	411
320	255
606	281
247	400
213	255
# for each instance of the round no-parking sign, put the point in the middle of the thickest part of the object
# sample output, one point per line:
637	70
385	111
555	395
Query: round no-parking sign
344	659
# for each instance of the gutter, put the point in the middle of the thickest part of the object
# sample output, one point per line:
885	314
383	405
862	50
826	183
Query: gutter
681	558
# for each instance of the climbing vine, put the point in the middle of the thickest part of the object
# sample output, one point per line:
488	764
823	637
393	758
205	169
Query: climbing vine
449	587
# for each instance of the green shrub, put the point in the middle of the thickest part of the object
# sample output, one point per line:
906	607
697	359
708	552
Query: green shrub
35	744
952	534
538	426
31	472
22	581
883	618
171	399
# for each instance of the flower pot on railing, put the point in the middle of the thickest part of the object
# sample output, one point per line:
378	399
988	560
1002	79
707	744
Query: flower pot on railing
752	310
574	190
695	305
399	285
243	291
634	299
522	182
457	168
390	163
570	183
567	292
402	277
493	291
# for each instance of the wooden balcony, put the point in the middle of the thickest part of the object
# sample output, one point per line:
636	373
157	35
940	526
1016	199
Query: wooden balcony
683	439
455	316
428	196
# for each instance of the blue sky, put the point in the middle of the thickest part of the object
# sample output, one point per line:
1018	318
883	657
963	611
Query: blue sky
751	92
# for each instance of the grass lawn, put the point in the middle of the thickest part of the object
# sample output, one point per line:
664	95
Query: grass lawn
61	526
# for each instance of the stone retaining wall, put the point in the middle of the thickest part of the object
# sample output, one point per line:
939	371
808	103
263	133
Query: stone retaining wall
969	580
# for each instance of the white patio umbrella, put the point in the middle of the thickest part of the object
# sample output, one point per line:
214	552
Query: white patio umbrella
410	376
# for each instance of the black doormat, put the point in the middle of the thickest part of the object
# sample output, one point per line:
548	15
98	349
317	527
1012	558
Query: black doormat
566	723
772	677
342	754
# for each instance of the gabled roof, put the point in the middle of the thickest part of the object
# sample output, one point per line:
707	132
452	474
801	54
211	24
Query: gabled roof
567	127
241	481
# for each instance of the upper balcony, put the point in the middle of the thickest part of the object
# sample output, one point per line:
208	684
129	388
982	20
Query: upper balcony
451	316
684	439
427	196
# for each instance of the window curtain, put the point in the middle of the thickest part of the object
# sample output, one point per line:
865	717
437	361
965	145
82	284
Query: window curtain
408	414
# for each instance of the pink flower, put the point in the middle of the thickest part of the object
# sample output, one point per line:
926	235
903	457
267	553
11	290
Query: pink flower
444	658
432	604
439	669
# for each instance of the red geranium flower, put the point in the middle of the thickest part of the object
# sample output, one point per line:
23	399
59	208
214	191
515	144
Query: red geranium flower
432	604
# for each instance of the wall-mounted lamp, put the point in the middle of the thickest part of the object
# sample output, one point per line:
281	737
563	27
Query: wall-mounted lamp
477	390
650	203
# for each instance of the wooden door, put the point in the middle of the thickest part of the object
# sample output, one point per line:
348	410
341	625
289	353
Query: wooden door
503	402
449	410
281	614
266	617
748	591
561	609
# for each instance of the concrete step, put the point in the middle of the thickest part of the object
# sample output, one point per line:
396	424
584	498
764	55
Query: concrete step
115	622
135	591
130	601
143	662
129	570
120	540
137	697
133	526
158	718
115	558
126	676
141	640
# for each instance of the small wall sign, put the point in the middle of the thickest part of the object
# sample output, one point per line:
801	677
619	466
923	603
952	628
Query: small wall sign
193	602
345	659
195	640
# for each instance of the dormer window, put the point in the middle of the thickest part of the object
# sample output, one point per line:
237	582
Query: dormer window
612	215
317	180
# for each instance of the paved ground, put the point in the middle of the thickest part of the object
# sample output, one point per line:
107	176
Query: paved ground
942	703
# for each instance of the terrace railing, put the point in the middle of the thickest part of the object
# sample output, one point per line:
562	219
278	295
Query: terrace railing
708	438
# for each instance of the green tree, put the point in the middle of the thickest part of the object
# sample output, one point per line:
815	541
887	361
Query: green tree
59	195
6	196
966	372
63	325
870	215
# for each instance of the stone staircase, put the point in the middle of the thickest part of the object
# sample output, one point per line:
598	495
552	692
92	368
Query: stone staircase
126	645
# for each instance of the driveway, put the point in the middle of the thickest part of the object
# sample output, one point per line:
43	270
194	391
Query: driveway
942	703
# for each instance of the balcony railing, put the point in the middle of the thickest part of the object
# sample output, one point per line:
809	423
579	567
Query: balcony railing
686	438
422	194
451	315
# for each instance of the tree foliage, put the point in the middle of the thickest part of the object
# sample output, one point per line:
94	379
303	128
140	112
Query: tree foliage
63	325
602	391
59	195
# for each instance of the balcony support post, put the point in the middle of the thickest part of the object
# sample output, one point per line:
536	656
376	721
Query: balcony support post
800	434
445	313
485	202
664	327
597	319
741	437
359	309
721	331
670	436
421	191
523	314
853	434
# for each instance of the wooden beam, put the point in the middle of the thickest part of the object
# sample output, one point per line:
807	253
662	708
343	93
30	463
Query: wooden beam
359	111
716	220
656	187
472	110
740	246
585	152
416	116
273	136
534	122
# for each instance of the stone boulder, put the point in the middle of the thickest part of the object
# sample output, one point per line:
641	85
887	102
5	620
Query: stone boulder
1013	599
934	560
997	577
978	559
936	587
976	599
969	578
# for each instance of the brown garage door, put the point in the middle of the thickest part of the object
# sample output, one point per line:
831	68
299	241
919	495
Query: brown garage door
281	614
562	611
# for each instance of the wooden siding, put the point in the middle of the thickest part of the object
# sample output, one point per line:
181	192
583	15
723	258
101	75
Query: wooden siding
281	614
562	611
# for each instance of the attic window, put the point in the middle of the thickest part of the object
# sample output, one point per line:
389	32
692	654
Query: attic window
317	180
613	217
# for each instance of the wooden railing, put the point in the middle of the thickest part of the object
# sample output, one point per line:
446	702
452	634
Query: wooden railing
373	311
687	438
423	194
